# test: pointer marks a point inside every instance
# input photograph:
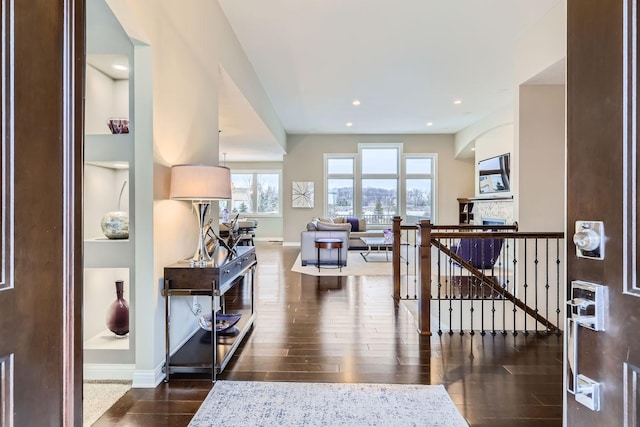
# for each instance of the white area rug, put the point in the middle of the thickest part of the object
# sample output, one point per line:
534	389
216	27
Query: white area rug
247	403
356	266
99	396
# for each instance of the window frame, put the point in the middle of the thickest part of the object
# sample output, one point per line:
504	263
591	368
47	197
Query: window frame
254	194
397	176
433	176
401	178
327	177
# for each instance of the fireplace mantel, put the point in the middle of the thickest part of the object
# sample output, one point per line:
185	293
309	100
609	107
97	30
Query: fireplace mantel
485	199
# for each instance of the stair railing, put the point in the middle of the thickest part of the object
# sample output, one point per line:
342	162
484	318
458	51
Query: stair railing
518	289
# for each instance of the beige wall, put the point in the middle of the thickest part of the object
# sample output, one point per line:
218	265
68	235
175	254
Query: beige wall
305	162
542	158
493	143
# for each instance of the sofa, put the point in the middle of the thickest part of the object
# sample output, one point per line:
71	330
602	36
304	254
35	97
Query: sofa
358	229
343	228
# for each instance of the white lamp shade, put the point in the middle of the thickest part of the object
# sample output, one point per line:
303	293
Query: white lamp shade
200	182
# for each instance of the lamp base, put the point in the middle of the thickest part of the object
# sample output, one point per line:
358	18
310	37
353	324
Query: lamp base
201	257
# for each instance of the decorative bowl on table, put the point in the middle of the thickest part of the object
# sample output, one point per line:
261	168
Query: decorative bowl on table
224	322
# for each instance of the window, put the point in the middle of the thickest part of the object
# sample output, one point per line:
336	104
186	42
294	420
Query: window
419	187
255	193
379	182
340	175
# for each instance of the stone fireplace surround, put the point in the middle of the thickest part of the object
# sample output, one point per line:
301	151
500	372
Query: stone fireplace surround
492	208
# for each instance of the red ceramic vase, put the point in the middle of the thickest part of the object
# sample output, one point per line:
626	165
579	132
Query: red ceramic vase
118	313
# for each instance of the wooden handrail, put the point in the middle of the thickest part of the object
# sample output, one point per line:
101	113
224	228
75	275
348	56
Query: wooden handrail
500	235
513	227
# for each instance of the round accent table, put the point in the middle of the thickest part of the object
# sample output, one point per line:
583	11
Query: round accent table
329	244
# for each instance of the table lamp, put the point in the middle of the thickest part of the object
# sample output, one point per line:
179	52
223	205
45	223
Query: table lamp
200	184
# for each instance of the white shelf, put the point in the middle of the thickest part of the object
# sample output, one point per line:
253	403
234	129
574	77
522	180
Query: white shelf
109	148
108	253
107	340
106	240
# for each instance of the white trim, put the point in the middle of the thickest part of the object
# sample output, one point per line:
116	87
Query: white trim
108	371
291	244
325	178
433	176
629	153
254	192
148	378
268	239
401	177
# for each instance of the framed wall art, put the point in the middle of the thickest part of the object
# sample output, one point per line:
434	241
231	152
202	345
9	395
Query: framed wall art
302	194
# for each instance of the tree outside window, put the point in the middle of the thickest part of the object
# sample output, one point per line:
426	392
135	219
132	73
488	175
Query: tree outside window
254	193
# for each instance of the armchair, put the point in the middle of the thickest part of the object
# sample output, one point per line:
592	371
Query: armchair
480	253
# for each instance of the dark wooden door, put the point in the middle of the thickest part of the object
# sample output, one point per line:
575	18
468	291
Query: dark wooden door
40	220
602	185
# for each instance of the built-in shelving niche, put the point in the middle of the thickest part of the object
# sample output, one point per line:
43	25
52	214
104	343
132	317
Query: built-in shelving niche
99	294
109	185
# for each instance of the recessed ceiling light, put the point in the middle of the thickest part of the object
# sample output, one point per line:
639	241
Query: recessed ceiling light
349	124
356	102
119	67
457	102
473	149
429	123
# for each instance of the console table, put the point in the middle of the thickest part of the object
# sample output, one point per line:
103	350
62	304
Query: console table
229	283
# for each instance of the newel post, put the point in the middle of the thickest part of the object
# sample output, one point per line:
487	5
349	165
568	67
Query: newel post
396	257
424	291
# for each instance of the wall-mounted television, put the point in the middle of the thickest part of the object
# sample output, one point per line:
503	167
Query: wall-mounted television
494	174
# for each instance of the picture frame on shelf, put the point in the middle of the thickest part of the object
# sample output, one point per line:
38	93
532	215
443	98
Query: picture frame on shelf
302	194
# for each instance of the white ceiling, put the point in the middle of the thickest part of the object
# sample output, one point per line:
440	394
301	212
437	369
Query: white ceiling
105	63
405	60
243	135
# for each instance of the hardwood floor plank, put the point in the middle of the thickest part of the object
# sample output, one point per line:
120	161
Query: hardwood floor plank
349	330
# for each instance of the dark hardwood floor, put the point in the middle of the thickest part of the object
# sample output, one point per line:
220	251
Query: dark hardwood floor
349	330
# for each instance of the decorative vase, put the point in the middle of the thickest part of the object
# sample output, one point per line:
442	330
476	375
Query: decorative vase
118	313
115	224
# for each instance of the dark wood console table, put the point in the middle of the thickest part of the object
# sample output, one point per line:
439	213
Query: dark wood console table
229	283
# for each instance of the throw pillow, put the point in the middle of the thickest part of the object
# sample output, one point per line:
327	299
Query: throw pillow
355	223
327	226
311	226
362	224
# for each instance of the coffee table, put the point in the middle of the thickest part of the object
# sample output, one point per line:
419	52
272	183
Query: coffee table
377	245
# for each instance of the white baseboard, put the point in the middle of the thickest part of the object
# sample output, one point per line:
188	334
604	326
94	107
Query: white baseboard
268	239
103	371
148	378
294	244
151	378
